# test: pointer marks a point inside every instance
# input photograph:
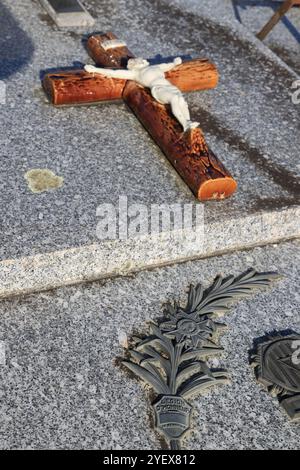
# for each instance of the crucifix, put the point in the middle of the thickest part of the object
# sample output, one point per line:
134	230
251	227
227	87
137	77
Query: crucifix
154	94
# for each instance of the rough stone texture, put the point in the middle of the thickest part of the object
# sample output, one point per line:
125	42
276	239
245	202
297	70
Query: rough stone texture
61	387
102	152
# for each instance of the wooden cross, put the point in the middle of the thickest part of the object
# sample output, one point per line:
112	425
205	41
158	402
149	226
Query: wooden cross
283	9
187	151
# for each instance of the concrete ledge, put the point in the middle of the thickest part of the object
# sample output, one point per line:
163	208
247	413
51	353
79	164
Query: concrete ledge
115	258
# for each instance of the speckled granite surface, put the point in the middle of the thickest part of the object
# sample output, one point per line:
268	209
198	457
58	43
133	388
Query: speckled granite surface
102	152
61	387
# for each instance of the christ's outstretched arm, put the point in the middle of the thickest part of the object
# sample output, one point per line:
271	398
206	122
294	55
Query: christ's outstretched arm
171	65
123	74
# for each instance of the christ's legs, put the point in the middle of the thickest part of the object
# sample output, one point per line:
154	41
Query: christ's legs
185	108
181	111
169	94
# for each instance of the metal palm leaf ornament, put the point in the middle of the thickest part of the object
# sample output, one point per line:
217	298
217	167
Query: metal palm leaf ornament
172	359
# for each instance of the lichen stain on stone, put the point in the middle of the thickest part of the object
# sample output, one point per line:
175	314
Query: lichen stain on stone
41	180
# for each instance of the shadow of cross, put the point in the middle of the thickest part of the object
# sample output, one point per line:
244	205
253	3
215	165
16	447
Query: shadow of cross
187	151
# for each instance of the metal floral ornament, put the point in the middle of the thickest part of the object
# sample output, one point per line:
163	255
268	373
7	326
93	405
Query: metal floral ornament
172	359
188	328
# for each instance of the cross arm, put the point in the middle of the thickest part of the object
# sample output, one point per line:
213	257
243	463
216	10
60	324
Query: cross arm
79	87
121	73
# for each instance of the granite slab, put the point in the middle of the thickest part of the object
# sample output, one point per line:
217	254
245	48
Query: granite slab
49	239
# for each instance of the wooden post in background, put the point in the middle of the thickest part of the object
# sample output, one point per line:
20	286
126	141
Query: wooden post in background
283	9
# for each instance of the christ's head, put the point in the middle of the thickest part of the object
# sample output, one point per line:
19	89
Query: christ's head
136	64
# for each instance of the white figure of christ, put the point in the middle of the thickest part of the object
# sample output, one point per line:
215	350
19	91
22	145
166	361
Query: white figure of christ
153	77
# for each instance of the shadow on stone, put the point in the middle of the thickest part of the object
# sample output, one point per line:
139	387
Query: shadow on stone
16	48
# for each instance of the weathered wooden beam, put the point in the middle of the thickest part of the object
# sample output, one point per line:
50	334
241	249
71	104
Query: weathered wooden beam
188	152
79	87
194	75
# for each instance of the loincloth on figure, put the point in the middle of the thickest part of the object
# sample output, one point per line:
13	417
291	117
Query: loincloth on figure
164	93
